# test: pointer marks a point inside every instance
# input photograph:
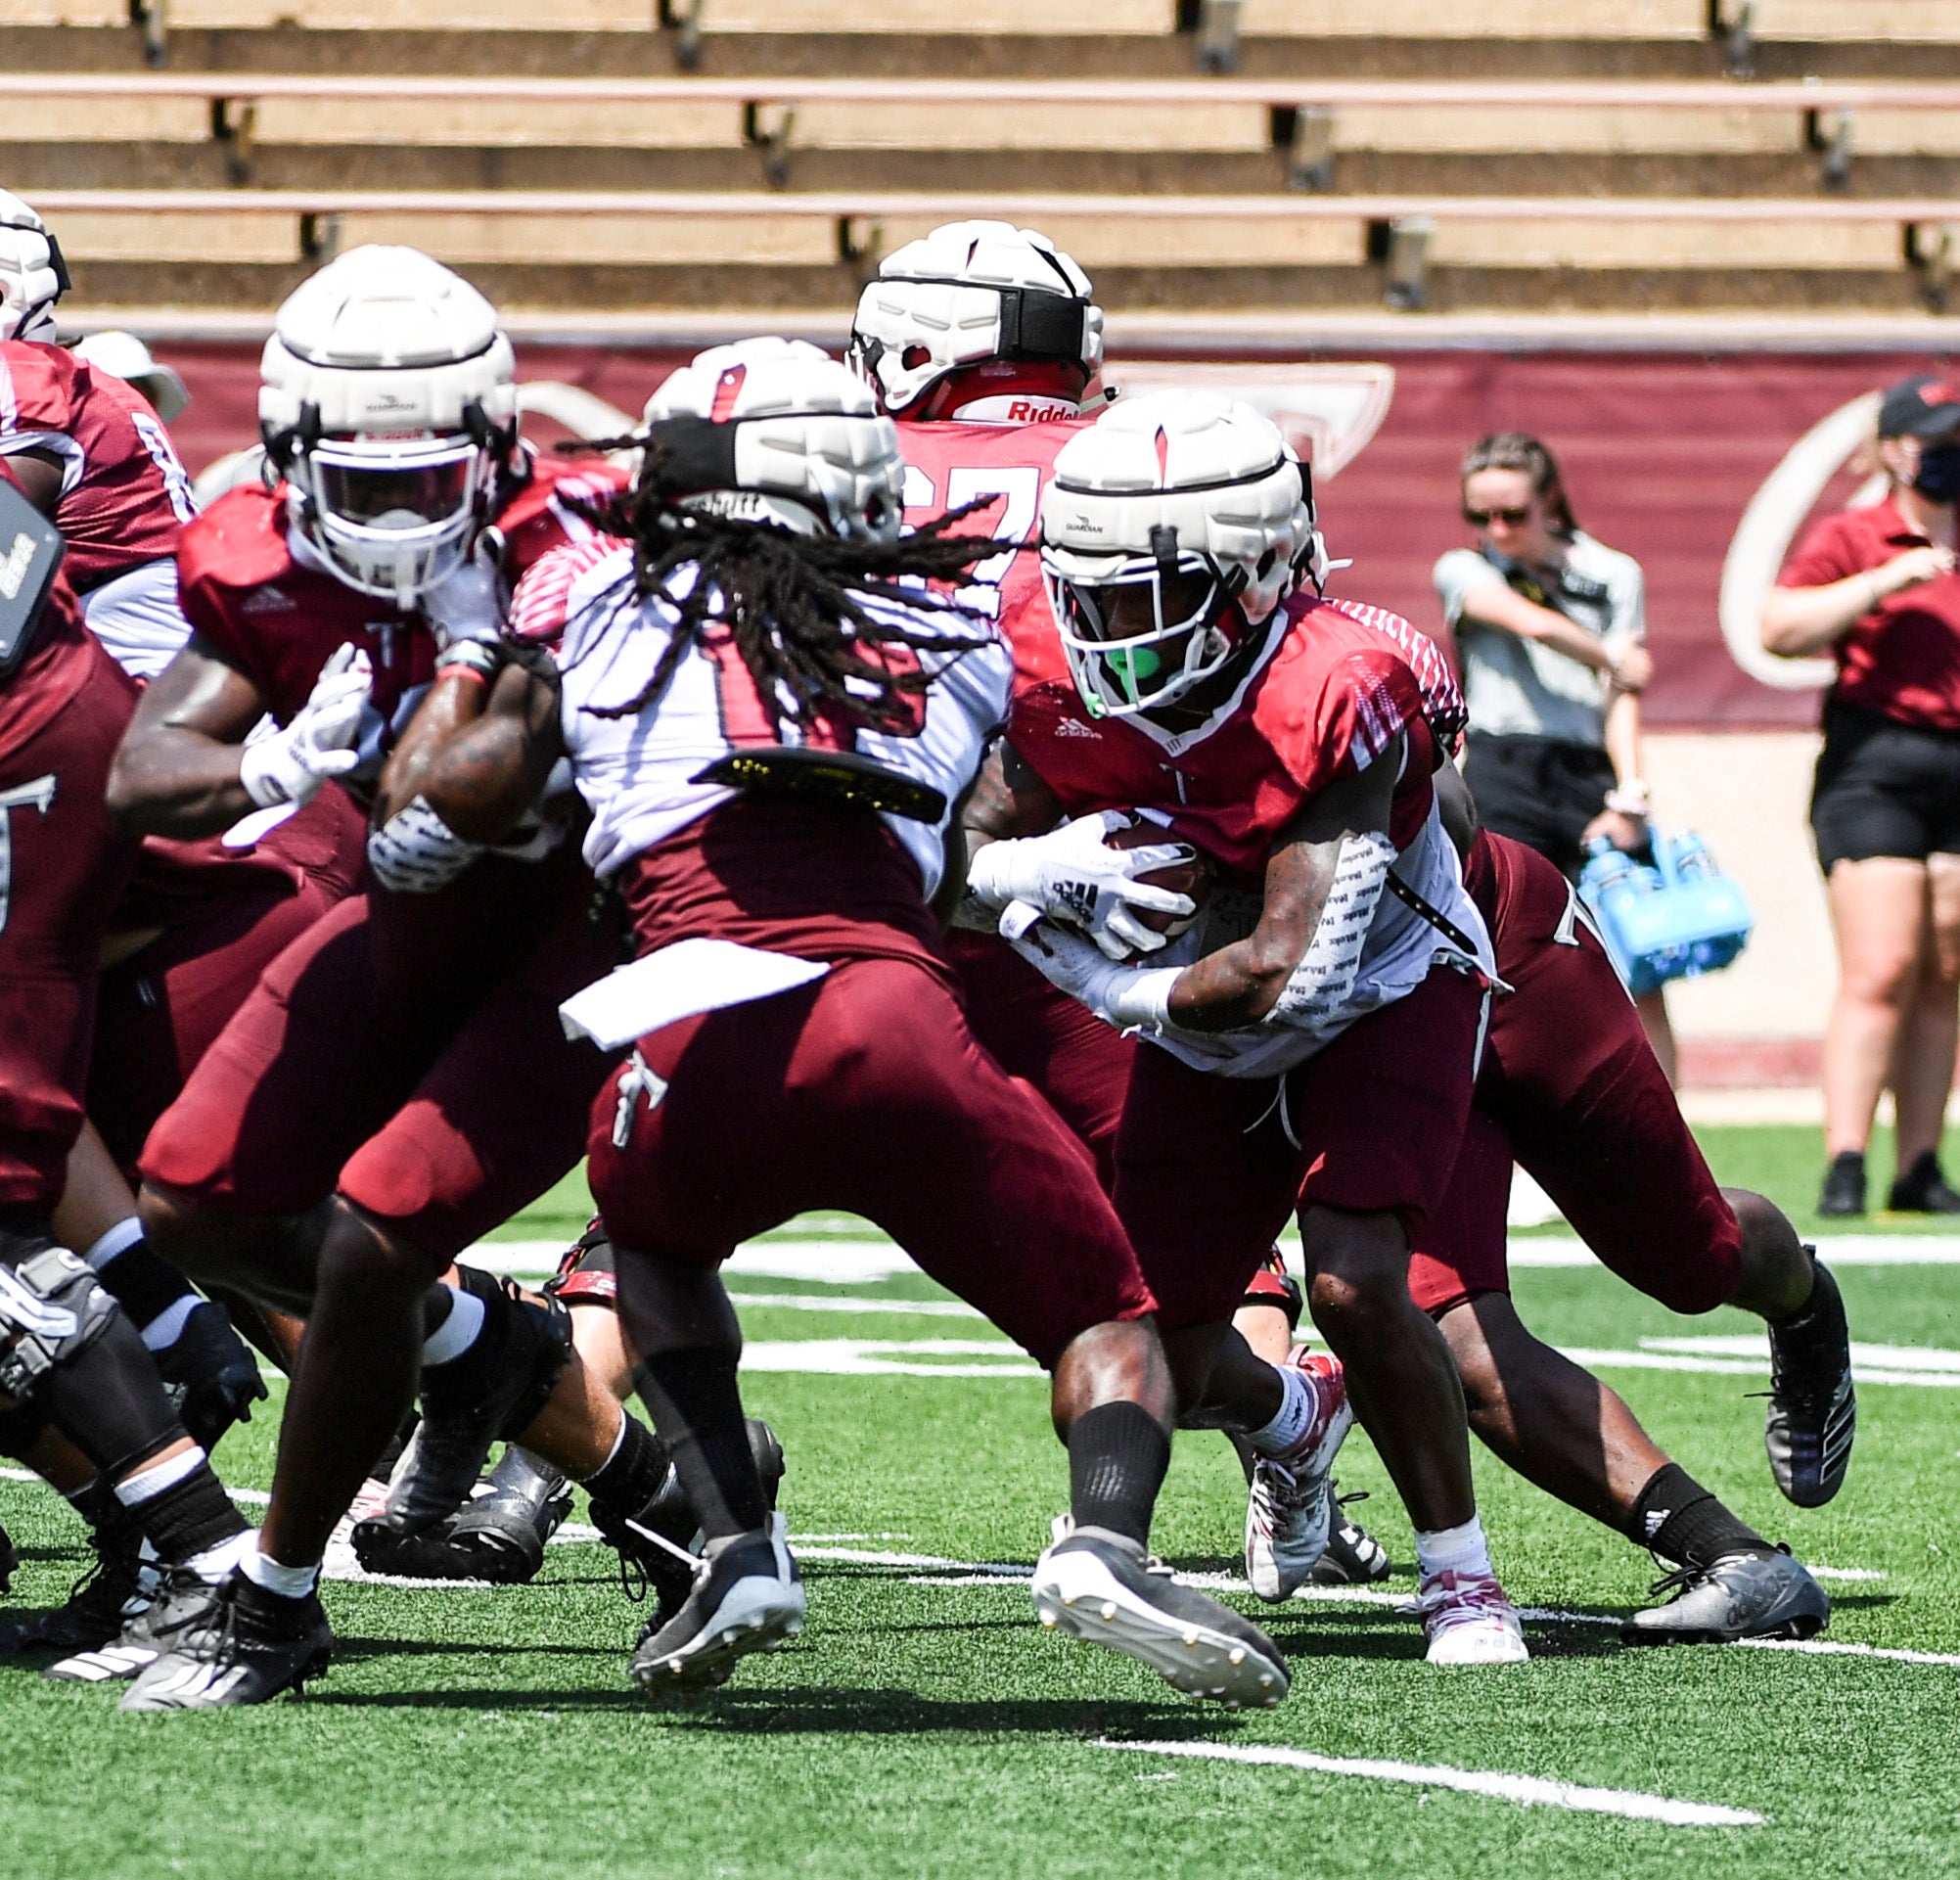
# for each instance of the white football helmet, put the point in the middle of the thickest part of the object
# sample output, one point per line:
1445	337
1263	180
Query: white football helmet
968	293
389	404
32	273
776	431
1194	499
124	356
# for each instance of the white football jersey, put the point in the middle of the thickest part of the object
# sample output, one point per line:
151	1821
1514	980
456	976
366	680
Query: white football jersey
635	771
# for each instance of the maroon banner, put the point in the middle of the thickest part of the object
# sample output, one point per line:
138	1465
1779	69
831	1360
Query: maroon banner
1661	454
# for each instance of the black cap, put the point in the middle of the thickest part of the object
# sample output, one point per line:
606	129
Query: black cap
1925	407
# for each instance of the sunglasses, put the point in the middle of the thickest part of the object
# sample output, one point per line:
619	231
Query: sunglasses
1510	517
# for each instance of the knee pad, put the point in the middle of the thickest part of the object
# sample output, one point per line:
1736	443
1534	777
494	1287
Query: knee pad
71	1357
52	1309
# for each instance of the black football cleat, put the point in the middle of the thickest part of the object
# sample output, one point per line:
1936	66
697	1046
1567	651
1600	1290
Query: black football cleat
748	1596
1745	1595
1105	1588
1844	1191
9	1560
117	1586
210	1374
1923	1190
244	1646
494	1389
499	1535
662	1539
1812	1418
181	1601
1353	1556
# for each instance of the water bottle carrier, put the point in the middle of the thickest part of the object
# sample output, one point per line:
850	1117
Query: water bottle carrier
1673	920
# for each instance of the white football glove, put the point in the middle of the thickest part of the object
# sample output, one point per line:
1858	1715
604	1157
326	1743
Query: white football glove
292	764
1128	997
468	602
1071	875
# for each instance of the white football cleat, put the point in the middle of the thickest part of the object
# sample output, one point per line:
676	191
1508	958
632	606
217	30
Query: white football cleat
1103	1588
1470	1620
1290	1511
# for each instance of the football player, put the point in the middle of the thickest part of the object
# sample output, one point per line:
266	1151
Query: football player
771	722
79	1395
1318	1051
351	1130
1571	1089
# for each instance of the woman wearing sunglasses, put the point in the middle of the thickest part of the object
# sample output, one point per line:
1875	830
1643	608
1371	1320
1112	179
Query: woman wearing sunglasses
1876	585
1549	627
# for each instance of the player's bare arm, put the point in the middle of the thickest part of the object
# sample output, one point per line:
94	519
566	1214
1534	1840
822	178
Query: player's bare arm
1242	983
39	474
177	772
483	779
455	702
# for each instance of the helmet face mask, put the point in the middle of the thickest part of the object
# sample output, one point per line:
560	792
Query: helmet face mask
393	515
1147	631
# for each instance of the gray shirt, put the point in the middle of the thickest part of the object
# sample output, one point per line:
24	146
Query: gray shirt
1516	686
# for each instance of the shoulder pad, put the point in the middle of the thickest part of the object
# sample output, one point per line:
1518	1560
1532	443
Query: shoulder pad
240	541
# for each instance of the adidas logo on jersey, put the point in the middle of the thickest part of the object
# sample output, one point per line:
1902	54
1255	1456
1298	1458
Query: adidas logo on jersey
1075	728
269	599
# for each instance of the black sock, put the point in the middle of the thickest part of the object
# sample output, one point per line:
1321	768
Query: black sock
696	1407
189	1516
1815	1335
1678	1519
1118	1455
145	1285
633	1474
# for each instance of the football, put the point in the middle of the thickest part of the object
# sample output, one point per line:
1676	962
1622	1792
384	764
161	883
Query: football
1194	877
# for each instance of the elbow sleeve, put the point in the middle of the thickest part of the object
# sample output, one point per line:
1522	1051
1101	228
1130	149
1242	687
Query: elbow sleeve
1324	979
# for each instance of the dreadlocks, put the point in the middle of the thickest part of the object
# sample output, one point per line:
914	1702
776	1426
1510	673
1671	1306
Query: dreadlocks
796	604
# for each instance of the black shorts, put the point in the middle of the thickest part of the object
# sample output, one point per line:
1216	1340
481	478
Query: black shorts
1883	789
1541	792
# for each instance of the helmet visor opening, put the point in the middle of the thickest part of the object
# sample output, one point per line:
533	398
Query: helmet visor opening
398	488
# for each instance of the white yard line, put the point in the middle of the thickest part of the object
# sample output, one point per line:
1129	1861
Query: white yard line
1841	1648
1528	1791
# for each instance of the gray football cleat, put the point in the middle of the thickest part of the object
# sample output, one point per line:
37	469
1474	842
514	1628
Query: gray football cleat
748	1598
245	1648
1105	1588
181	1602
1745	1595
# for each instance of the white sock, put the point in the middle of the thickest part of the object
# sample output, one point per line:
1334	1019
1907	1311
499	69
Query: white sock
458	1332
1453	1551
146	1484
214	1563
119	1240
168	1327
1297	1404
289	1583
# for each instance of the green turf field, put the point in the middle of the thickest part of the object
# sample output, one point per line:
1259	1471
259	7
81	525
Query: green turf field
925	1724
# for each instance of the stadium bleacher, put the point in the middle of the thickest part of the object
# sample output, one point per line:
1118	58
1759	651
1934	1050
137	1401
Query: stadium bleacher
773	149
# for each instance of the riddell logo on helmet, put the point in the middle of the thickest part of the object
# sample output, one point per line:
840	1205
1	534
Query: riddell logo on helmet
1038	411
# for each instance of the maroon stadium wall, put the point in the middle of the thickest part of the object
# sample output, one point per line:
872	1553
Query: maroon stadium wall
1662	453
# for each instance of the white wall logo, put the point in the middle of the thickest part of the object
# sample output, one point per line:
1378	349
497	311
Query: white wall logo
14	570
1769	525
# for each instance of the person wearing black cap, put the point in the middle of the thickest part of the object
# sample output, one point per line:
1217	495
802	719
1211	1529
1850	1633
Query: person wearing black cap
1878	586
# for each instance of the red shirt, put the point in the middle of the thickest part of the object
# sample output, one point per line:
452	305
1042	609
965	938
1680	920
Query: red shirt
1902	659
949	466
125	494
1326	702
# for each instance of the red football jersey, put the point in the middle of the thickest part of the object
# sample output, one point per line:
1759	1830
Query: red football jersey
125	494
1323	702
949	466
279	620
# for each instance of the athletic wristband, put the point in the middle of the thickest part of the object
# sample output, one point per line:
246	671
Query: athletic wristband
1630	799
476	658
1141	1000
